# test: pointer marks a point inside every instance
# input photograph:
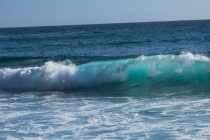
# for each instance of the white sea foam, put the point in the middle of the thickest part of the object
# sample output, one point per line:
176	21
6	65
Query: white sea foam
49	76
193	57
104	118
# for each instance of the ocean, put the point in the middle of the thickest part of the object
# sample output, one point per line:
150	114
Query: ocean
146	80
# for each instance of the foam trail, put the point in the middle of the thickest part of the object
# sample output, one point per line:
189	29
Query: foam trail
185	68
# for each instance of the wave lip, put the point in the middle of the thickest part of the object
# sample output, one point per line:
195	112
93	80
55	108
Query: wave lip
186	68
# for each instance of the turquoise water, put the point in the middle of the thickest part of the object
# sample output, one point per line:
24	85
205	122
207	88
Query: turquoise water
111	81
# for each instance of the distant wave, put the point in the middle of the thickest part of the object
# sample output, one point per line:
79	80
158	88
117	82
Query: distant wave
185	68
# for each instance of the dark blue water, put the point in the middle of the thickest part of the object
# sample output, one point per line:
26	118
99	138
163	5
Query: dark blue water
111	81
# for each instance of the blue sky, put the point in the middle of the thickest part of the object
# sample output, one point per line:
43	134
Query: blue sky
22	13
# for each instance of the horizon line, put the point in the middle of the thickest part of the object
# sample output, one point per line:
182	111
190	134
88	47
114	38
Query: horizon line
102	23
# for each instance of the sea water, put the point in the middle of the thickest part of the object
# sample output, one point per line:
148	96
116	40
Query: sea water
108	81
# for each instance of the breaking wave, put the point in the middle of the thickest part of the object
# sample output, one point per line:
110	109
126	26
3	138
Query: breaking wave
185	68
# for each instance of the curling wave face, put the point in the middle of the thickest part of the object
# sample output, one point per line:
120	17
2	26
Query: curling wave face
185	68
